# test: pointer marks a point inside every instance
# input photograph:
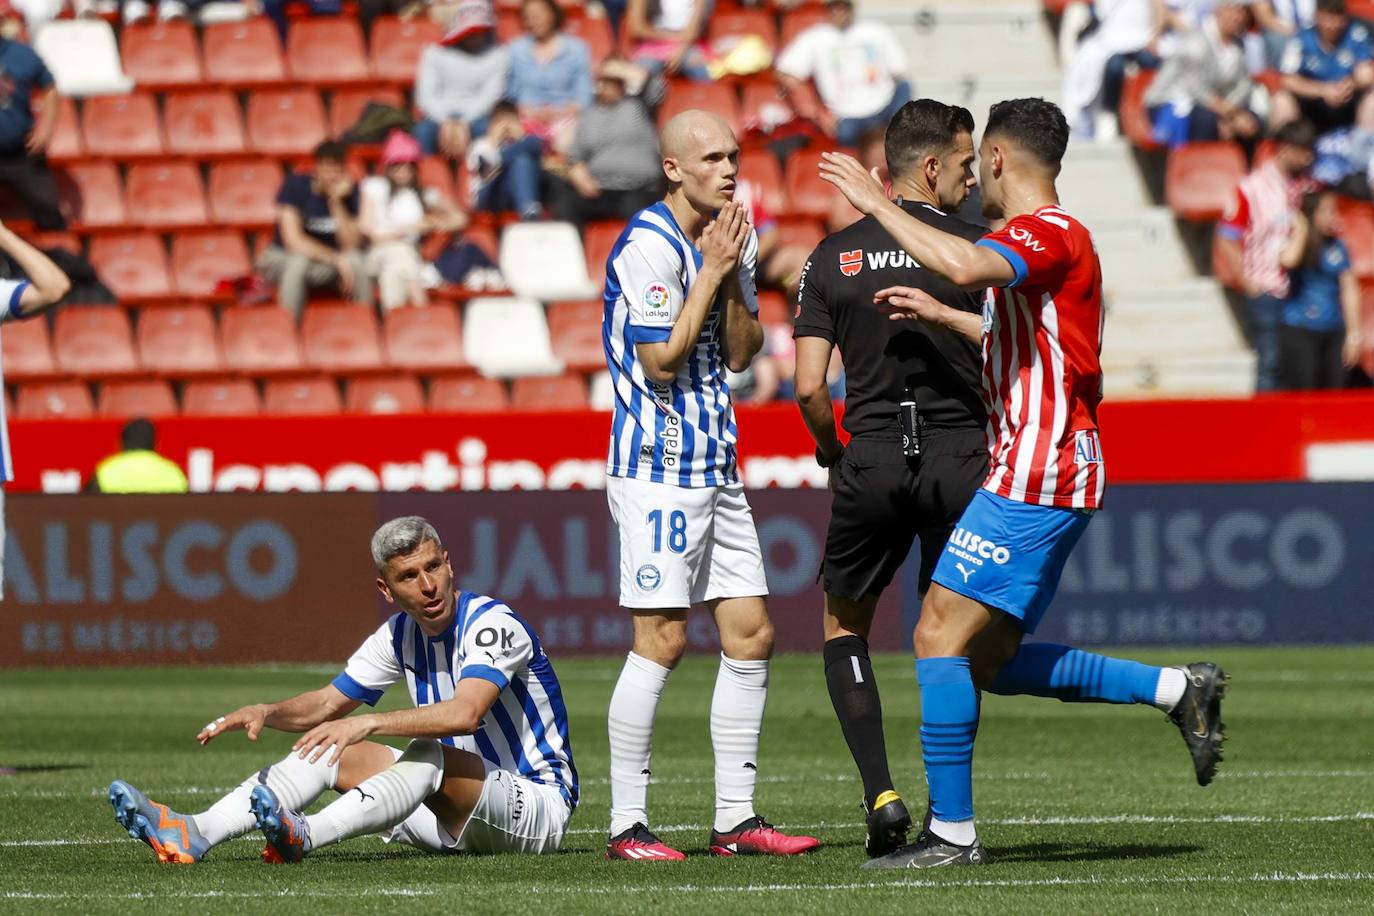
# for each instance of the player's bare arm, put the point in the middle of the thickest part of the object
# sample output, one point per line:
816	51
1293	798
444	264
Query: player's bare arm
47	283
905	303
722	241
961	262
461	715
298	714
813	395
742	335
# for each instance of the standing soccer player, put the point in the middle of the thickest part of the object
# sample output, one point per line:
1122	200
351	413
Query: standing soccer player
1041	331
681	307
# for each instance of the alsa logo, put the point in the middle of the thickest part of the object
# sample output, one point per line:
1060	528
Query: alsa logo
1025	238
851	262
880	260
974	545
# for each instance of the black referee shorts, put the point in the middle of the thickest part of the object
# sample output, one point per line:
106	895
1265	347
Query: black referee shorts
883	501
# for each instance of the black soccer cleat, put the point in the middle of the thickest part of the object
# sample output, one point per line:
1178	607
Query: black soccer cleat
888	823
929	851
1198	717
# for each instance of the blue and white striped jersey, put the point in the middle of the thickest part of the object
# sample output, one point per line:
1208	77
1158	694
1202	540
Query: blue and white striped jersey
526	730
10	291
682	433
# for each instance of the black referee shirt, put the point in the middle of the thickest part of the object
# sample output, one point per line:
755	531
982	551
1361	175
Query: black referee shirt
881	356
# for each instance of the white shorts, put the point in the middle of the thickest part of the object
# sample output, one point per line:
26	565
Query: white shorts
513	814
680	546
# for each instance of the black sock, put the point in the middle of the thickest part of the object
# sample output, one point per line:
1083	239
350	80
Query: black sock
854	694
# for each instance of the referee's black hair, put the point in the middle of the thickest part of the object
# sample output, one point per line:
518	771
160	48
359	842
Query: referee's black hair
1035	125
922	128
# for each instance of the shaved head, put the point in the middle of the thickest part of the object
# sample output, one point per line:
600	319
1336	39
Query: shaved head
700	159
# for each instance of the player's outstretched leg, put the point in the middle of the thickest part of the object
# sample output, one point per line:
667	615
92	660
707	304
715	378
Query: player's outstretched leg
172	836
376	803
1190	696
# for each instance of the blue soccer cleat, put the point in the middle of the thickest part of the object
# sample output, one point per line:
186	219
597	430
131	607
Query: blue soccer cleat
287	833
172	836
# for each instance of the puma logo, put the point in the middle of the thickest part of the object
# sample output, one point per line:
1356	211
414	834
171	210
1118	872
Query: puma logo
750	766
366	797
645	772
965	572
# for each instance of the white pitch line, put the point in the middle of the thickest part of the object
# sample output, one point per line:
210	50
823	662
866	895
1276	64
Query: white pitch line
246	895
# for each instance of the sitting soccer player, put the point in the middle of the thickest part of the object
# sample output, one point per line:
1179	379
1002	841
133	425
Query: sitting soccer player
490	769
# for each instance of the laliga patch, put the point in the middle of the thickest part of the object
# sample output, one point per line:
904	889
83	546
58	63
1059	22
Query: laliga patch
648	578
657	304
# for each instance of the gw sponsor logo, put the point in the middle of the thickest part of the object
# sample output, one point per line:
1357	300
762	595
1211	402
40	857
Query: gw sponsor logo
1024	237
648	578
975	548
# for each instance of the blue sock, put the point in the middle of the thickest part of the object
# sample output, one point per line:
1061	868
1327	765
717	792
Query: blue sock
949	722
1043	669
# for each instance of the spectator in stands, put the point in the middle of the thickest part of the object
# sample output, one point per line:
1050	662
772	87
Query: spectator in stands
26	133
505	166
1253	236
369	10
396	213
1319	337
142	10
276	10
318	242
666	36
614	167
1097	68
138	468
1327	70
1279	22
1203	88
858	69
550	74
460	80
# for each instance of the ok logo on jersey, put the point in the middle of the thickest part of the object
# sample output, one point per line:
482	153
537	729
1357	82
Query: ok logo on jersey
851	262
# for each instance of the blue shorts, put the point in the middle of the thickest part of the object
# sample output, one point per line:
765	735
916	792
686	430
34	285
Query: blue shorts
1009	555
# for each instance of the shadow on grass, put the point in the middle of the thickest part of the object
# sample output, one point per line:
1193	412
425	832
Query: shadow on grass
40	768
1084	852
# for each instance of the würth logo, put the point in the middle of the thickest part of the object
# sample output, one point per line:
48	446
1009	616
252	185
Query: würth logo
851	262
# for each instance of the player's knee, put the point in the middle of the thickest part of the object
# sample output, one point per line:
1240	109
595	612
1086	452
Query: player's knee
662	646
753	641
936	635
424	750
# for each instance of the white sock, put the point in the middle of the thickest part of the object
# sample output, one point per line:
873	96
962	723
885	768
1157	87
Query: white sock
296	782
736	719
961	833
383	800
630	724
1169	690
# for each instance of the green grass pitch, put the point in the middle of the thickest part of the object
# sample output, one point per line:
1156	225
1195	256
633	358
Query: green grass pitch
1083	808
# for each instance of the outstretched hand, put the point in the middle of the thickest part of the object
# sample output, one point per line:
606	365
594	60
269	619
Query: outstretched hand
909	303
861	188
249	719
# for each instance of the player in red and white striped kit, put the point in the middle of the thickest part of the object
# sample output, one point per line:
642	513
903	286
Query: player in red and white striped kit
1041	331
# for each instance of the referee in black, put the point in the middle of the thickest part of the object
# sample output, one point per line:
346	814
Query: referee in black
917	451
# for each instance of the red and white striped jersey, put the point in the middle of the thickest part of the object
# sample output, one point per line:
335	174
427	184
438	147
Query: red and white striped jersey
1042	373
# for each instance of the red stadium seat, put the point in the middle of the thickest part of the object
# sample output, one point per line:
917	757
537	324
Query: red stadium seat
66	144
27	351
94	341
161	55
808	193
1357	231
596	32
55	401
179	341
243	54
716	97
727	23
122	127
597	241
167	195
761	167
549	392
435	173
202	125
92	196
244	194
346	105
341	338
137	398
575	331
236	397
260	340
1200	179
301	397
483	235
385	394
424	339
508	25
396	47
1136	125
774	307
200	260
327	51
467	395
285	122
796	21
803	231
763	105
133	265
